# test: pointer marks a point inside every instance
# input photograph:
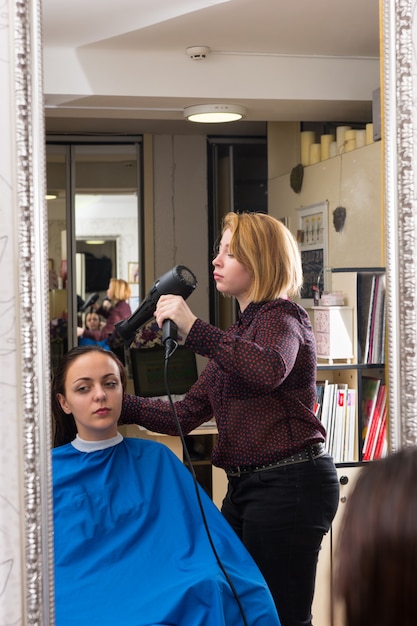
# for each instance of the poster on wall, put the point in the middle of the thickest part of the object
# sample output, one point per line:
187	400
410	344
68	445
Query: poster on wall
133	272
313	270
312	240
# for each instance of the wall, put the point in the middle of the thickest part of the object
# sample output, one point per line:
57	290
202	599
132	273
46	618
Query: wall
352	180
180	210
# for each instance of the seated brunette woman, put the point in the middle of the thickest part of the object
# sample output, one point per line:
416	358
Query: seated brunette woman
130	542
93	323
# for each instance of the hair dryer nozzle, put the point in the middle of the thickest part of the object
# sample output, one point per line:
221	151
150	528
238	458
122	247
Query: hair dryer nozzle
180	281
89	302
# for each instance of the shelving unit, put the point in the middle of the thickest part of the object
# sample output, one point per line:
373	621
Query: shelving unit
357	285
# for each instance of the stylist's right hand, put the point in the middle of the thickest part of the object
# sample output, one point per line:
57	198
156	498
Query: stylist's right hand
175	308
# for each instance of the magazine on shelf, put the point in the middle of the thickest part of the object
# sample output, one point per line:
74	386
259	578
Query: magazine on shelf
374	427
365	287
329	417
381	448
350	447
320	386
340	414
372	319
370	388
327	396
377	331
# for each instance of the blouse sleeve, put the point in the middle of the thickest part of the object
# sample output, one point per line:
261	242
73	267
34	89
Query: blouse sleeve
264	355
157	415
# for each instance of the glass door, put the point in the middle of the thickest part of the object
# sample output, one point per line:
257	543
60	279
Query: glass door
94	228
238	179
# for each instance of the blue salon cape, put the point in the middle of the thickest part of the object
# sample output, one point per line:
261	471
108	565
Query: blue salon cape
131	548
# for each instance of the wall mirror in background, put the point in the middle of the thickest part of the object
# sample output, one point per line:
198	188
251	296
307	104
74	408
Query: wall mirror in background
94	228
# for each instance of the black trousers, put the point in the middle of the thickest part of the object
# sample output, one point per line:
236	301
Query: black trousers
281	516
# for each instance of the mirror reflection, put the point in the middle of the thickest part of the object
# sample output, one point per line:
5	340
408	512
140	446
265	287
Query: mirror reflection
95	189
83	251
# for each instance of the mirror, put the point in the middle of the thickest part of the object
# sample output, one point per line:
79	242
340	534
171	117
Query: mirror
95	188
27	581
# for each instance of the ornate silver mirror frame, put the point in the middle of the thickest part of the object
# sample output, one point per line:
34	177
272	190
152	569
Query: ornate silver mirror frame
399	65
26	572
26	568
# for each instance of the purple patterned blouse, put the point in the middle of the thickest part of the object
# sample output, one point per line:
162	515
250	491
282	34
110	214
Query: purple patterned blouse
259	385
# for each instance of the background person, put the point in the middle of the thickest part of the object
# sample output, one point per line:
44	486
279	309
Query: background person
93	322
114	308
128	531
260	386
377	548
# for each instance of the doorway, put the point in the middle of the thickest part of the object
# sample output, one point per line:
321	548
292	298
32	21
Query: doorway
238	181
94	224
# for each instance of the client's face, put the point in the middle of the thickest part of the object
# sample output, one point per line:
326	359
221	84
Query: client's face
92	321
93	394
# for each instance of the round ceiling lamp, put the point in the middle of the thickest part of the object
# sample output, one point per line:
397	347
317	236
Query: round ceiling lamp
214	113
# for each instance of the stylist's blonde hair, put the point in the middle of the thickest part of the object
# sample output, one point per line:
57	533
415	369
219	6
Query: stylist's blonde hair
119	289
269	251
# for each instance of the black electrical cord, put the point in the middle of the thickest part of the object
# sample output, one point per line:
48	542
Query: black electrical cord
169	352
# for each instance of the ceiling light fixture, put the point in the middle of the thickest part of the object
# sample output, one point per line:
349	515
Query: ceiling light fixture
214	113
95	242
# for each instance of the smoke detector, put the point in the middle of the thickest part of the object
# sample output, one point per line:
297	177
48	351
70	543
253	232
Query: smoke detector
198	53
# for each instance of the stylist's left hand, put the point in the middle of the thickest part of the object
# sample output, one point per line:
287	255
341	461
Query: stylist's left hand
175	308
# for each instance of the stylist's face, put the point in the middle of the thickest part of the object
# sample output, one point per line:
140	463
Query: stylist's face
232	278
110	290
93	394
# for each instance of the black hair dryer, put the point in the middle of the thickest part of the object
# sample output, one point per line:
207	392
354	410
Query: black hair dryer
89	302
180	281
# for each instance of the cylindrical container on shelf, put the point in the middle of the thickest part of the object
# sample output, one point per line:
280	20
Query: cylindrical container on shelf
315	153
340	137
350	140
369	133
325	141
307	138
360	138
333	149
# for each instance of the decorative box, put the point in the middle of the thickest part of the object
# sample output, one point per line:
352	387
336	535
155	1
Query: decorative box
333	330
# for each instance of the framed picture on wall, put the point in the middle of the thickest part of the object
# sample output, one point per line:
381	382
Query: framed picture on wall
134	302
133	272
312	240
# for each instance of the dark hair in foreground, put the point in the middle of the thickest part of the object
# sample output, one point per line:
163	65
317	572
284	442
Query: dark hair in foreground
64	425
377	553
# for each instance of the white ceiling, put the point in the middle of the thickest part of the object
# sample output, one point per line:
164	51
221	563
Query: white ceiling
122	65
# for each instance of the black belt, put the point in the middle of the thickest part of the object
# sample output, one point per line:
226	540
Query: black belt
307	454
